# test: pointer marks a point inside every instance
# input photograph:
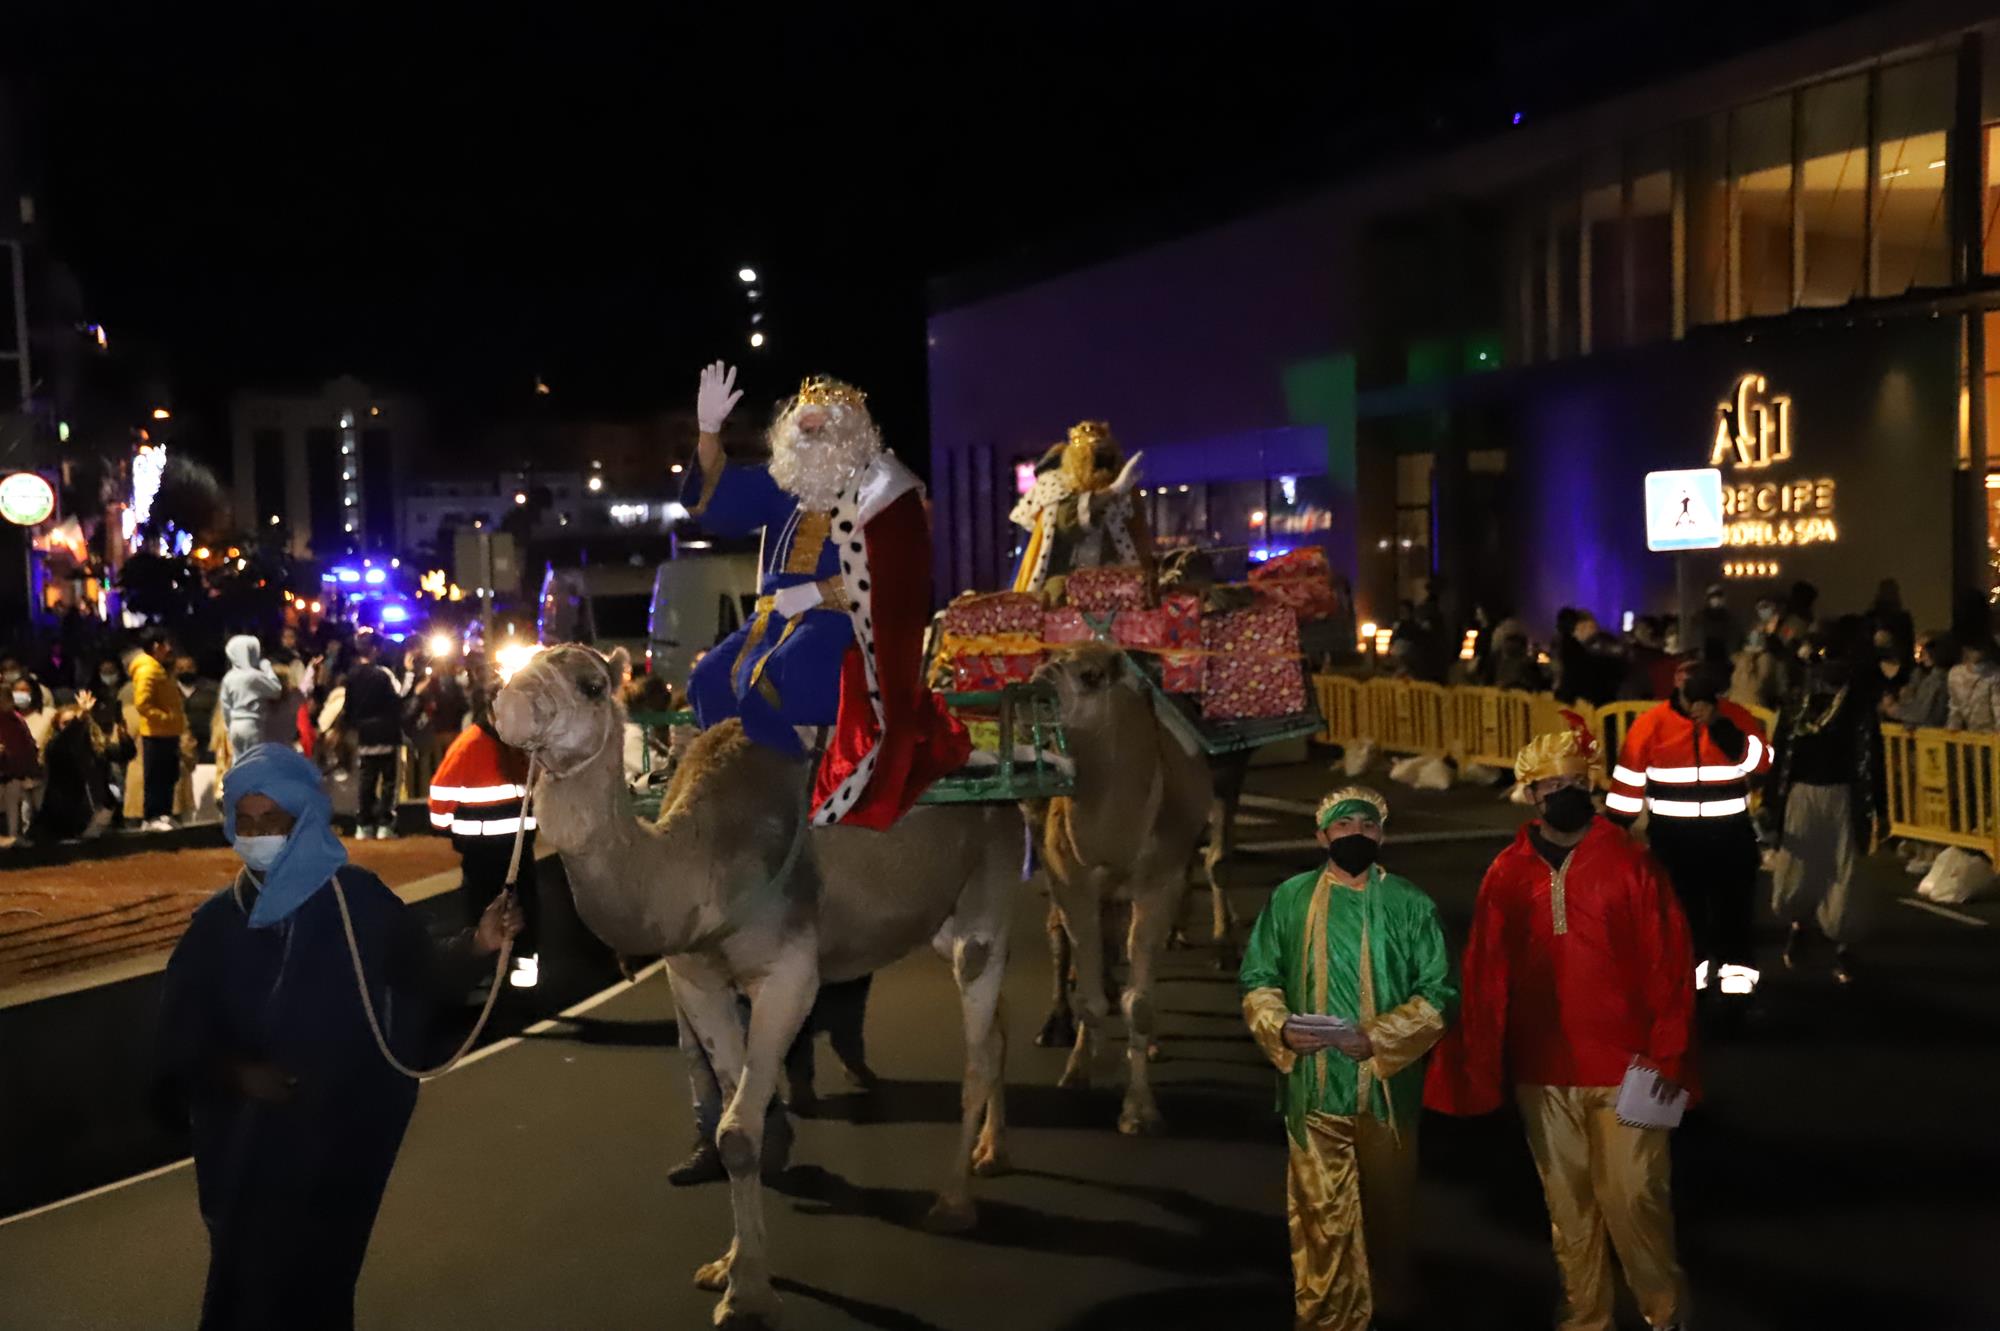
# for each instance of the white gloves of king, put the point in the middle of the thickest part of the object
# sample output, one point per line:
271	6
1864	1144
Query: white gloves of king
716	397
792	602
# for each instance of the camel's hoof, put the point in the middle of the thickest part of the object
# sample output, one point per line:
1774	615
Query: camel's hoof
1058	1032
990	1162
1134	1122
951	1217
712	1276
743	1312
1153	1054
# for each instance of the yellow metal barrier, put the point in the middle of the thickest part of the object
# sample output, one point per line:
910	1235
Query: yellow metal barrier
1490	726
1340	704
1941	787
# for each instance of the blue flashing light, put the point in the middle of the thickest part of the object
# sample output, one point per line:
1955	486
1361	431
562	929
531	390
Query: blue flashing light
347	575
326	577
395	614
375	577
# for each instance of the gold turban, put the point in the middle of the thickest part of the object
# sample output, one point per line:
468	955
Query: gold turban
1571	752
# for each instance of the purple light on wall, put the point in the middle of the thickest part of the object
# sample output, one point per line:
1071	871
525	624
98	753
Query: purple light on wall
1517	117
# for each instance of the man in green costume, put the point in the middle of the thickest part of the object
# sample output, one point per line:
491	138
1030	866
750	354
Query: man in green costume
1353	942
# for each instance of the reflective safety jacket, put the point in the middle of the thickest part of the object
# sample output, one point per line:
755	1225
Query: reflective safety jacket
1676	769
478	787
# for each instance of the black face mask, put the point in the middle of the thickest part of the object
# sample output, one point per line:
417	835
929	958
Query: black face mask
1568	809
1353	853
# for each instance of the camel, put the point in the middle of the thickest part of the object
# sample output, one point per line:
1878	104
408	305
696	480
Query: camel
1128	833
739	897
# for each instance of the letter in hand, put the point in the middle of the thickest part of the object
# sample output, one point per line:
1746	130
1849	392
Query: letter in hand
1303	1039
1354	1042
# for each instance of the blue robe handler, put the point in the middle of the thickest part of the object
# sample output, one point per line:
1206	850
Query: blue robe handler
775	674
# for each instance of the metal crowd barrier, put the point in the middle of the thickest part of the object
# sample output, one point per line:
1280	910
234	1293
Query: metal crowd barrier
1941	787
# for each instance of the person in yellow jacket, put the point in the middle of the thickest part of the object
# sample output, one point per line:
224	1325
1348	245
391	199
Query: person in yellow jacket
156	697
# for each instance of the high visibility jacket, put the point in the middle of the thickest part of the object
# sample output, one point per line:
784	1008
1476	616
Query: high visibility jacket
478	787
1674	769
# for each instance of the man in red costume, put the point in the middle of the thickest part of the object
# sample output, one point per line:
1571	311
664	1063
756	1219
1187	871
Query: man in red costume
859	505
1578	969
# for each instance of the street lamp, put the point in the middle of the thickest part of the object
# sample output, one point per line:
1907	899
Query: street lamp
746	274
520	497
162	414
756	339
596	483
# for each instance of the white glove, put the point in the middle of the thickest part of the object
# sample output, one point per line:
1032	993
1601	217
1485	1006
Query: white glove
716	397
1128	476
1083	509
791	602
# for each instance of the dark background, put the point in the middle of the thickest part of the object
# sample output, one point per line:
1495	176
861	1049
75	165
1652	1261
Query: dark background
455	199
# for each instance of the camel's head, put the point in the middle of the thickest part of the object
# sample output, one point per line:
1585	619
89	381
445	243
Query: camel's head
563	707
1086	677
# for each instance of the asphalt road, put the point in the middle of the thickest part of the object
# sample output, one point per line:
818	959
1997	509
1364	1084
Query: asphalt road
1842	1174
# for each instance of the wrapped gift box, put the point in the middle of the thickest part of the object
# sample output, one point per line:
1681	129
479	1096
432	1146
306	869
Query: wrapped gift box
1181	672
974	616
982	672
1063	625
1104	591
1140	630
1252	664
1298	580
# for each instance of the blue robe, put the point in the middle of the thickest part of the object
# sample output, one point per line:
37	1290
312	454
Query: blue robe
774	675
289	1192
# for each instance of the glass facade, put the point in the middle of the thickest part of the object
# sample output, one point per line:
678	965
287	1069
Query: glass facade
1807	199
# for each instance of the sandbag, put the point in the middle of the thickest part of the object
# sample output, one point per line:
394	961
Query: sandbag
1958	876
1360	756
1425	772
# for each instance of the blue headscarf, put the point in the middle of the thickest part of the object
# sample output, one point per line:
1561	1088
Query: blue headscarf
311	853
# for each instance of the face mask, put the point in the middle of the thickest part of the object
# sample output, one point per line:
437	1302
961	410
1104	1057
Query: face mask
260	852
23	699
108	676
1568	809
1353	853
189	678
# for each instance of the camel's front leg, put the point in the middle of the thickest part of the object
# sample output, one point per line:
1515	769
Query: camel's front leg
1221	842
1083	918
1059	1030
706	1004
978	964
1153	914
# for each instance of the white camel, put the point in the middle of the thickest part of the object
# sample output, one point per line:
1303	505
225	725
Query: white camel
725	889
1127	834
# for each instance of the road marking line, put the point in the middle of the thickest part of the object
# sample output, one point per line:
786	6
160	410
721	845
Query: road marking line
547	1024
1946	911
1395	839
1273	804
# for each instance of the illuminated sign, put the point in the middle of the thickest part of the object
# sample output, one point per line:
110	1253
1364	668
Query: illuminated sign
1753	427
26	499
149	465
1754	432
1684	509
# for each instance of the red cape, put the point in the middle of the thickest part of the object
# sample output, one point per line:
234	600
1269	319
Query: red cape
894	736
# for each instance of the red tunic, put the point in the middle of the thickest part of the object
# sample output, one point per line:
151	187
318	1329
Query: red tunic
1569	1006
887	749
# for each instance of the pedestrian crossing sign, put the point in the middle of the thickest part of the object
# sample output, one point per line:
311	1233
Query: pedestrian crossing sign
1684	509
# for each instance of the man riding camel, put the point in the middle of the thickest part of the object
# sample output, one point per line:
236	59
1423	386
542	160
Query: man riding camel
838	634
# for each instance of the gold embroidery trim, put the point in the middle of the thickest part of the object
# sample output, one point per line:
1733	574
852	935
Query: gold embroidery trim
1559	897
808	539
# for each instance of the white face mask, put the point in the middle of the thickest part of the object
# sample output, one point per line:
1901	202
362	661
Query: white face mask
260	852
22	700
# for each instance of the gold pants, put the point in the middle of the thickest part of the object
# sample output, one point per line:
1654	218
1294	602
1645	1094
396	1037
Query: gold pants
1348	1198
1603	1178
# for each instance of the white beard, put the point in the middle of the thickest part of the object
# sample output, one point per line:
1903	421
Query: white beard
819	467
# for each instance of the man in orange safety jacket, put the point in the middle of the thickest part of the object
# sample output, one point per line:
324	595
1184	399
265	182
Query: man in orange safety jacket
476	797
1687	765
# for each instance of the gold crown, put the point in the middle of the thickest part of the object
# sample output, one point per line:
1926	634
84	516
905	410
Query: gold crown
1092	433
822	390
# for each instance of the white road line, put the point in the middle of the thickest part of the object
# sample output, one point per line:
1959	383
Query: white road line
1946	911
1395	839
542	1027
1253	820
1275	805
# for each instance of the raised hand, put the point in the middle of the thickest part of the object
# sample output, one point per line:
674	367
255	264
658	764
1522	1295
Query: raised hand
1128	476
716	397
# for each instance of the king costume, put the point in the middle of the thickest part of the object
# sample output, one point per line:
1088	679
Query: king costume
1079	511
1376	956
852	657
1578	964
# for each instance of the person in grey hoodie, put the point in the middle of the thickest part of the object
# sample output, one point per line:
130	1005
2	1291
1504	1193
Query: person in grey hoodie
247	693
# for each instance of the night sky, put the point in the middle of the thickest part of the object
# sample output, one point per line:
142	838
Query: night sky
457	203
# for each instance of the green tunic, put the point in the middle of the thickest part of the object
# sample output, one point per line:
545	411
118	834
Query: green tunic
1403	1001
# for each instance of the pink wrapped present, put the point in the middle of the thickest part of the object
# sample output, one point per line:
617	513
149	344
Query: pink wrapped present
1103	591
1065	624
1252	664
974	615
983	673
1181	672
1140	630
1299	580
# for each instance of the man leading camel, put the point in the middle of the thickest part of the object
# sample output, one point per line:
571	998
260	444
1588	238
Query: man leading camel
838	634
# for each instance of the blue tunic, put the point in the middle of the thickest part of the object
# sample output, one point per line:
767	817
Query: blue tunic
774	675
289	1192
